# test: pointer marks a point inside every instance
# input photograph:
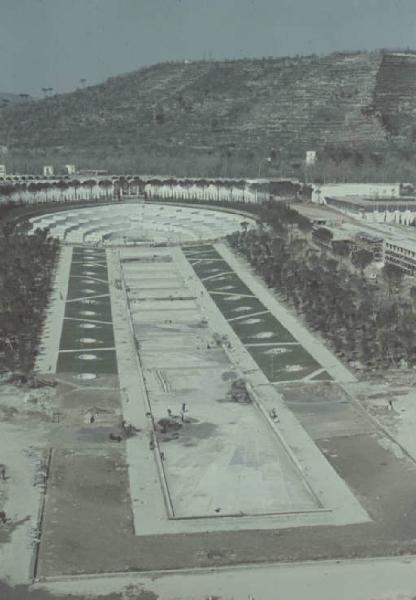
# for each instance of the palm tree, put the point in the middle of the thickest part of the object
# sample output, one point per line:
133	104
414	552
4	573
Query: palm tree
76	184
61	185
341	248
90	184
106	184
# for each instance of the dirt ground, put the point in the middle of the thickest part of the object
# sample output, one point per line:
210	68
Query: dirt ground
22	592
88	525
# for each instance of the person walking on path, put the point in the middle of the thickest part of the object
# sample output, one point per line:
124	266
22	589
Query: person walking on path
273	415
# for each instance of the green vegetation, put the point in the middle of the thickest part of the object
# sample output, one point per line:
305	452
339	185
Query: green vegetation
275	350
87	328
210	119
105	362
249	332
367	323
73	331
232	306
284	363
26	267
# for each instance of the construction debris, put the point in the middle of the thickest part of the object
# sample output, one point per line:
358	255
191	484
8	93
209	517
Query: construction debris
239	392
168	424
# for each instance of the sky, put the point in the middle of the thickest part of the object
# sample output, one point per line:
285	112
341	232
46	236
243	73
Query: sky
56	43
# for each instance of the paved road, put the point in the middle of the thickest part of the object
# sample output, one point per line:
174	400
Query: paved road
372	579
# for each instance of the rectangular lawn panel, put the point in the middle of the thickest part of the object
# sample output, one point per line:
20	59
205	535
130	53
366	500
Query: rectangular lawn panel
89	263
101	308
81	257
283	363
87	256
228	283
211	267
193	258
199	248
197	252
275	350
83	361
83	288
73	331
88	250
324	376
81	269
237	306
259	329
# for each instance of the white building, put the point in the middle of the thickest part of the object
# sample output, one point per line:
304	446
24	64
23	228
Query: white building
370	191
310	158
48	171
70	169
2	170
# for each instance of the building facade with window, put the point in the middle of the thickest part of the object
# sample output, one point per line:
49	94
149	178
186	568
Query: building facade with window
401	255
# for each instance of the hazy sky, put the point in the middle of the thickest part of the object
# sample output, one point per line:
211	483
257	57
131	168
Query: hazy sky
55	43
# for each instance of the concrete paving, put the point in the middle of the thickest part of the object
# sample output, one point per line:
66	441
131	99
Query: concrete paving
227	460
371	579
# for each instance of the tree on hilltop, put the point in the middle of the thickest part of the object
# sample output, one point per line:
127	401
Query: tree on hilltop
412	293
393	276
323	235
341	249
361	259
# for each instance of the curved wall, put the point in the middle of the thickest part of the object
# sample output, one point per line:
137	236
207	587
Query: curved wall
139	223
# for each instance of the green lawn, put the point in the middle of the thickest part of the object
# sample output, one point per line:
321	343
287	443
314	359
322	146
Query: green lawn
73	331
197	252
236	306
104	363
266	329
228	283
81	269
83	255
80	332
211	267
324	376
83	287
283	363
100	306
260	333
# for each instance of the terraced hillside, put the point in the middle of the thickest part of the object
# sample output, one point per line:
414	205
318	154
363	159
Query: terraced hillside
216	114
395	94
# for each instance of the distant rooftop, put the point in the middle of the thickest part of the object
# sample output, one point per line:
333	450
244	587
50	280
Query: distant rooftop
374	203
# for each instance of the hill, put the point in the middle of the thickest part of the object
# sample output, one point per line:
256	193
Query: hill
6	98
223	118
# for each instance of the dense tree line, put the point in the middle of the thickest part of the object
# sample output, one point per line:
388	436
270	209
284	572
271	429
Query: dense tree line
60	190
26	266
364	321
342	164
